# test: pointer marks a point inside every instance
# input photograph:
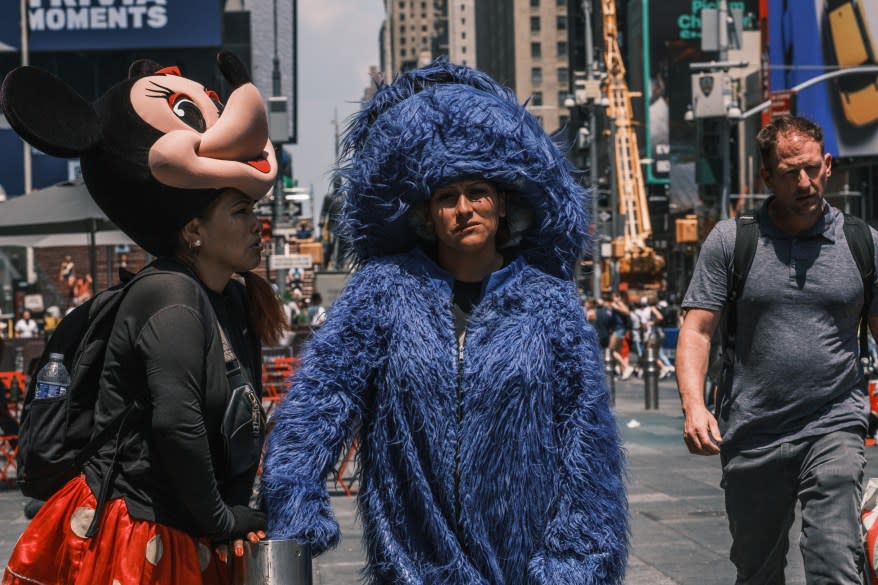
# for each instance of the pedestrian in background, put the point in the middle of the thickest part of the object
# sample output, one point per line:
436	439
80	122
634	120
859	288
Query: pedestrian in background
316	312
26	327
599	317
458	354
791	426
620	327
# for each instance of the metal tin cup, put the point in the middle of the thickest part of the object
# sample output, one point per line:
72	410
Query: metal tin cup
277	562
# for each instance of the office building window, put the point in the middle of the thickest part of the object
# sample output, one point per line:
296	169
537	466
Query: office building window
402	16
536	50
402	5
534	23
463	34
401	40
536	98
563	75
562	48
534	3
463	49
462	7
536	74
562	22
562	95
561	3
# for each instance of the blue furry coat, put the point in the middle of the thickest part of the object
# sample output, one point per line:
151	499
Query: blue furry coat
502	467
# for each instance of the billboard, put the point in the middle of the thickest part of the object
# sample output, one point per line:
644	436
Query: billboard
83	25
664	39
846	107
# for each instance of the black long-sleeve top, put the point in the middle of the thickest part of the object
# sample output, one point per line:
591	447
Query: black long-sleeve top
165	351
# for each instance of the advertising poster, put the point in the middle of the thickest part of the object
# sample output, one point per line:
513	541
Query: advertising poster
671	41
846	107
82	25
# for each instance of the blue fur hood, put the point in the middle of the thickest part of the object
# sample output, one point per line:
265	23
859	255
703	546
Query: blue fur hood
444	123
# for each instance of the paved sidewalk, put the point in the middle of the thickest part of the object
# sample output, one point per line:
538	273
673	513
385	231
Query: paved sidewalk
679	529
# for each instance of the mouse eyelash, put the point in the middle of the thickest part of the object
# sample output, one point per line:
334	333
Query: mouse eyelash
160	91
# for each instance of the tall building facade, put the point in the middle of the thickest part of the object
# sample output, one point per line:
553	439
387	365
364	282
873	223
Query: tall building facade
462	32
524	44
414	33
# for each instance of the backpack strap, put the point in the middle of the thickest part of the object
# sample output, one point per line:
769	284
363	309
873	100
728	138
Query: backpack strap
746	238
859	239
116	426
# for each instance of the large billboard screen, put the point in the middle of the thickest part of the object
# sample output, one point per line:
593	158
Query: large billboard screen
846	107
83	25
669	41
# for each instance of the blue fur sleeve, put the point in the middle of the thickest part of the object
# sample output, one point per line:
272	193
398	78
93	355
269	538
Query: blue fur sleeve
316	419
586	539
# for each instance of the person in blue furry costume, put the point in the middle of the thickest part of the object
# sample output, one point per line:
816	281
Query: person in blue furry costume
458	354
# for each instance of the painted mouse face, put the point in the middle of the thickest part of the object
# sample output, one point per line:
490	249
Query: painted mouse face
155	149
200	148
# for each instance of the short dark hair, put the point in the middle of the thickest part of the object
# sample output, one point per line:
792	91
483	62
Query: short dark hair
784	125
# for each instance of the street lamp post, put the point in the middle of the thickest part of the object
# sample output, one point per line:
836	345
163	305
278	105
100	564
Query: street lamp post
596	263
25	61
277	207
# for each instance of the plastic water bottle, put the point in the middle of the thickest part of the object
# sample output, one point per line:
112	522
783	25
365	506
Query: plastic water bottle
54	379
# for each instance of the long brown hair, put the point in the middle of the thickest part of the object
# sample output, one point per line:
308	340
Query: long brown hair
266	313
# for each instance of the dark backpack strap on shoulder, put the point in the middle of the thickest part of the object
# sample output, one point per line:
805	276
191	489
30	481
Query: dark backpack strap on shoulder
859	239
746	238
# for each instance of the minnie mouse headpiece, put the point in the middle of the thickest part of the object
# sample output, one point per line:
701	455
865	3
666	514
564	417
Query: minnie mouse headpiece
156	149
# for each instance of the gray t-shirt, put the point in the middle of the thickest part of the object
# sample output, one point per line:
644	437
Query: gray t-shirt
796	371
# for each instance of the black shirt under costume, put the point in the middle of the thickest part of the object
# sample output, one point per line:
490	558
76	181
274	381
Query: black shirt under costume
166	352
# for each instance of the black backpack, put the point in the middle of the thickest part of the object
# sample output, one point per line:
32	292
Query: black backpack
859	240
55	438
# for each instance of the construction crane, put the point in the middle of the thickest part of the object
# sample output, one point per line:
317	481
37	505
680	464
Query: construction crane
638	264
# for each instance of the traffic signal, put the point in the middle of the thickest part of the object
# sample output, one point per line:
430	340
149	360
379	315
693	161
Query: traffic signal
266	229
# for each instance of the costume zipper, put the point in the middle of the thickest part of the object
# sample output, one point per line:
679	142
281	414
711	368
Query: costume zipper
457	452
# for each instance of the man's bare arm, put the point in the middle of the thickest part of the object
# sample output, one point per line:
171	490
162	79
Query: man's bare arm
700	429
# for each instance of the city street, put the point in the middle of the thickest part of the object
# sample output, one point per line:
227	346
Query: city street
679	531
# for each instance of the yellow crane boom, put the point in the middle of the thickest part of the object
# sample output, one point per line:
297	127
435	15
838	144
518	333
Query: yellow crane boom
638	259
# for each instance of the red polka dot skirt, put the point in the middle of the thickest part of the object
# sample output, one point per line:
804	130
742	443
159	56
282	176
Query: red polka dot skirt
54	549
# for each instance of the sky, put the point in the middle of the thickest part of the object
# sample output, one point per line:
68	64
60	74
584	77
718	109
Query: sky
338	41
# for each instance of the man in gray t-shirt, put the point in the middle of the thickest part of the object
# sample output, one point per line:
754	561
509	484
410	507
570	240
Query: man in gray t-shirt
792	425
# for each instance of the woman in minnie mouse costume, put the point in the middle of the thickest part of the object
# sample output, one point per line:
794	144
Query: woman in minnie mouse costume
458	354
179	173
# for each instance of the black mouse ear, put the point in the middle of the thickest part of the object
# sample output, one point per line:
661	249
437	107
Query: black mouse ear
142	68
48	113
233	69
